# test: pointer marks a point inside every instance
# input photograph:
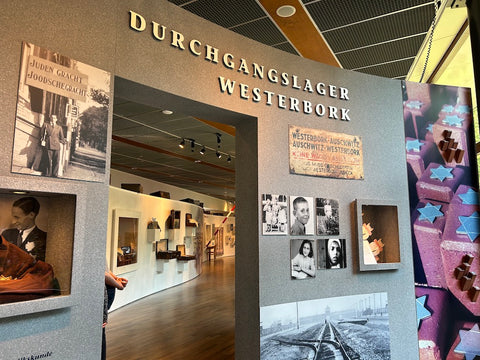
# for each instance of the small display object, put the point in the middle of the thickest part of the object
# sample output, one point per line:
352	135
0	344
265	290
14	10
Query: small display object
133	187
189	221
302	259
331	254
181	249
36	245
153	230
125	240
301	215
378	235
327	216
173	221
274	215
162	245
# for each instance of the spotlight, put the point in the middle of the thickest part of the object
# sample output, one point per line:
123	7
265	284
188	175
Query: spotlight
192	144
182	144
202	151
218	155
229	159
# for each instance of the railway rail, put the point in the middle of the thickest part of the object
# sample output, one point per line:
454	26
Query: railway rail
329	344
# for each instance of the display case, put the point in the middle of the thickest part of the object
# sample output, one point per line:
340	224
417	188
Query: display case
36	250
125	240
378	235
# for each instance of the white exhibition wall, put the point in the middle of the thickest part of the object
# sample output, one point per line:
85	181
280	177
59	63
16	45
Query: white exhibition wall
150	274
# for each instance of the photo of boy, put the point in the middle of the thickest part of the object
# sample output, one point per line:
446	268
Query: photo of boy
301	208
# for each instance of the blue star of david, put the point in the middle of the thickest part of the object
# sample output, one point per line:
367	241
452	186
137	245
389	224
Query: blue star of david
430	212
447	108
422	312
415	104
441	173
463	109
469	343
453	120
430	127
470	226
414	145
470	197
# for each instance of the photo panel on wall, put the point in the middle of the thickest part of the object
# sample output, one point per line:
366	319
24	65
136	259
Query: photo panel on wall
36	245
301	219
274	214
302	258
331	254
327	215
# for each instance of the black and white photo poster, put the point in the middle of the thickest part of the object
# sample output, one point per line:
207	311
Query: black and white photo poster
301	215
274	214
327	216
61	122
348	327
302	258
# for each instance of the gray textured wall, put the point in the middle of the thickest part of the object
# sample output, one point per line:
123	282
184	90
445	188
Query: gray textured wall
98	34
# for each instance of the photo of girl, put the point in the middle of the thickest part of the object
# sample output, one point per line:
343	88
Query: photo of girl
302	259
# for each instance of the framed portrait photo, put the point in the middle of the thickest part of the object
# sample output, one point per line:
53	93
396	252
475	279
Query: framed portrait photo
327	216
301	216
331	254
274	214
302	259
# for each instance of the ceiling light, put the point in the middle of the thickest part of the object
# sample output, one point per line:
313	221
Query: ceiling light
229	159
219	139
286	11
202	151
218	155
167	112
182	144
192	144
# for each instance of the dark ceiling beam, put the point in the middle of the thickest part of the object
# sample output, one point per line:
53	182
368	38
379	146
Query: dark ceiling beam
301	31
170	176
169	153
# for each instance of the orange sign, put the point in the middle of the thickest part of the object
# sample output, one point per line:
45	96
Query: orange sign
321	153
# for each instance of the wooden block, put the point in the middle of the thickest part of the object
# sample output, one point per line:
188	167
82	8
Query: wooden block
468	258
465	283
447	133
443	145
474	293
458	273
459	155
450	155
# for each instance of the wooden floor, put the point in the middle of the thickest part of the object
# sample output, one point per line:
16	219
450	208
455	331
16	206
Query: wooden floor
194	320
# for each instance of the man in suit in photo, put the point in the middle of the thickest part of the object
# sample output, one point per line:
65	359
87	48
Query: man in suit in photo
25	234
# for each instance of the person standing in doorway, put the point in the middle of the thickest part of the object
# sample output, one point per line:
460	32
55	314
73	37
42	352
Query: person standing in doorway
53	133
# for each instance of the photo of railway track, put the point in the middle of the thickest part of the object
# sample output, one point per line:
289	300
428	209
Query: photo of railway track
348	328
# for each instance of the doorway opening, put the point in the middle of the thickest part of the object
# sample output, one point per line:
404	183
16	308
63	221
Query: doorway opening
218	160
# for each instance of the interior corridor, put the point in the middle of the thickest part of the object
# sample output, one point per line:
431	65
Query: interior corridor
195	320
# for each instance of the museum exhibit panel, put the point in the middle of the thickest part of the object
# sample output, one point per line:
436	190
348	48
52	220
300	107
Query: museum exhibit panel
340	178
